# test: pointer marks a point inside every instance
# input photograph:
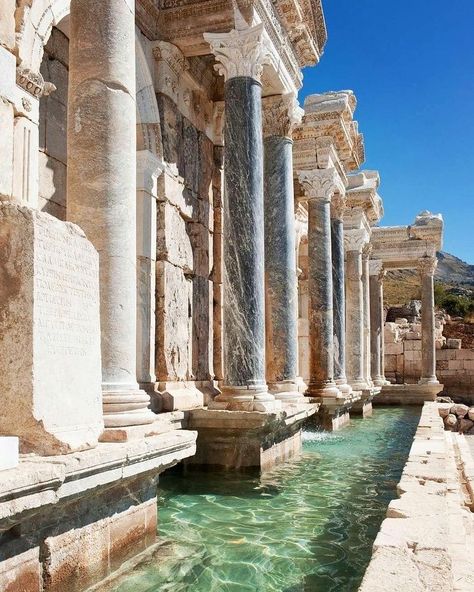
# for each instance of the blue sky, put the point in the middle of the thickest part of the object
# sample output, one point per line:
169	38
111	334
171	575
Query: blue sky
411	65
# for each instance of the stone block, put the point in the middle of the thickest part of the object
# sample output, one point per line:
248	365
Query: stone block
465	354
22	572
390	363
173	242
56	133
468	364
174	323
6	149
171	188
9	448
52	180
412	336
7	23
393	348
453	343
50	372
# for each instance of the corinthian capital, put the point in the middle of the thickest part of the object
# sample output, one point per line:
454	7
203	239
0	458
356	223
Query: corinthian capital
376	268
355	239
427	265
319	184
240	52
280	115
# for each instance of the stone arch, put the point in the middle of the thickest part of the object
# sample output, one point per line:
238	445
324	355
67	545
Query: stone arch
34	26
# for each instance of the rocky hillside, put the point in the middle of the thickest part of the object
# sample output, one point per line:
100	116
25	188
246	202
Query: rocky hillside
454	271
402	286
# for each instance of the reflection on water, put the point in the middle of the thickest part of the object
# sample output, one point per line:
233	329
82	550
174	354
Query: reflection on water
306	526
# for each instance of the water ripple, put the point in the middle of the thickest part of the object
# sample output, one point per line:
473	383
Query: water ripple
306	526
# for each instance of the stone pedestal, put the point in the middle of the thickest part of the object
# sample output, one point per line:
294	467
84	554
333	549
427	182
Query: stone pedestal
281	304
428	346
49	333
354	242
244	440
319	187
241	54
102	186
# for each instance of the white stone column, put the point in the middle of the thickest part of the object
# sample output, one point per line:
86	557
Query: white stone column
366	312
427	267
102	186
354	241
319	187
377	273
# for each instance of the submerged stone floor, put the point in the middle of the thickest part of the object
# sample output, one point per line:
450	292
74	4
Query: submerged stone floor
306	525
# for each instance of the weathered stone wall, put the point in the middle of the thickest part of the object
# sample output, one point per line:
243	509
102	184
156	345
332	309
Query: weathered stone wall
52	163
454	366
185	226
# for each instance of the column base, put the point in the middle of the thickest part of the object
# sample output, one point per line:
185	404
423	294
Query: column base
429	380
128	407
286	391
380	381
245	398
177	395
328	390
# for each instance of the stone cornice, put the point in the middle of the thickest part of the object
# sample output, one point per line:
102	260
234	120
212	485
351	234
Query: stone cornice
280	114
362	193
240	52
330	115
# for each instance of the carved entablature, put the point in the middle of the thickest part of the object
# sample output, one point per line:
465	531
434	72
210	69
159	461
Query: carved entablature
320	184
304	21
403	247
362	194
330	115
33	83
280	114
184	23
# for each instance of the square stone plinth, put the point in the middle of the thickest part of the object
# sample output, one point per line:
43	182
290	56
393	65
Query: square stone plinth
408	394
248	439
50	371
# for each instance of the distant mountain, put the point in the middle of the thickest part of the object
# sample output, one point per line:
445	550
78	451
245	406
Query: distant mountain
403	285
452	270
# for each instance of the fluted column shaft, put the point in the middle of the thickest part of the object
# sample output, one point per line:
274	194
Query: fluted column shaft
376	322
281	303
428	348
102	185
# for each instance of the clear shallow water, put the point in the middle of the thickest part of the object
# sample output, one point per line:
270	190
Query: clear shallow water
306	526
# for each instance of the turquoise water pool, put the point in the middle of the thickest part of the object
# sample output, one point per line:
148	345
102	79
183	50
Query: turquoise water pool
306	526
